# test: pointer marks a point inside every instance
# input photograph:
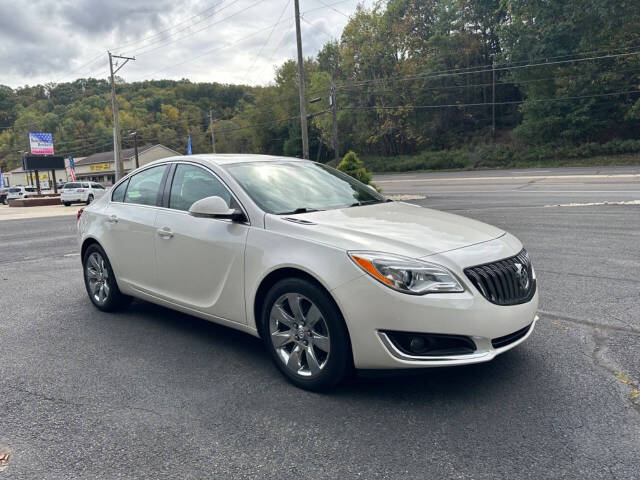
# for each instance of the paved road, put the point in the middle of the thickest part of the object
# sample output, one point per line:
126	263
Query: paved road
155	394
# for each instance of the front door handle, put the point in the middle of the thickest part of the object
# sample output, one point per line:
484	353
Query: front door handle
165	232
112	219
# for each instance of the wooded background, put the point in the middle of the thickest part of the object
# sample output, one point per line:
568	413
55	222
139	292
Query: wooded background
414	82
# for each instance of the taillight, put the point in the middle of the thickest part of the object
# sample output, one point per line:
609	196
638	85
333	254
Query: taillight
79	214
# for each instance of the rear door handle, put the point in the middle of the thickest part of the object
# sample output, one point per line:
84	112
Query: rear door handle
165	232
112	219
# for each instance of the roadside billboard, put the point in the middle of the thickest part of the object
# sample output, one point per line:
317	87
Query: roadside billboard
41	143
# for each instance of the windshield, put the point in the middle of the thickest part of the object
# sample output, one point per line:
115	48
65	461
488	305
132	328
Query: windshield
298	187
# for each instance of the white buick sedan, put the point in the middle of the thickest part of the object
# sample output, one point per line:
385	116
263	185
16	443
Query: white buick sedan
325	270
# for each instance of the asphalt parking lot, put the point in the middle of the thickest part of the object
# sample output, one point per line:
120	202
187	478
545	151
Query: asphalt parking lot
151	393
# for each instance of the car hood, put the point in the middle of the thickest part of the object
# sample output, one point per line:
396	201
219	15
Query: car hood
392	227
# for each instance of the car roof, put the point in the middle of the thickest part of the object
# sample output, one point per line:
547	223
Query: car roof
230	158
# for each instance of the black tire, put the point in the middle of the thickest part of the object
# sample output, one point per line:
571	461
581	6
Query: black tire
115	300
89	199
66	204
338	362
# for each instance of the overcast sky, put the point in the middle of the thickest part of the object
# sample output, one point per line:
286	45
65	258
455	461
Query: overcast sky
227	41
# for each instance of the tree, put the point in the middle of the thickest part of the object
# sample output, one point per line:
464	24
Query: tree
352	165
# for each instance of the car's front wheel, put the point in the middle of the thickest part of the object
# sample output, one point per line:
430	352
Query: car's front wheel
100	281
305	334
89	199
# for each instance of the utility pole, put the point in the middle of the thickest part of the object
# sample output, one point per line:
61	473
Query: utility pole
303	101
116	121
135	146
334	115
213	135
493	99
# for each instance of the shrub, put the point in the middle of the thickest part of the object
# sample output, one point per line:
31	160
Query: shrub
352	165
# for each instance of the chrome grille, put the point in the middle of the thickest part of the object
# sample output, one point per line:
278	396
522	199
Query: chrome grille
506	282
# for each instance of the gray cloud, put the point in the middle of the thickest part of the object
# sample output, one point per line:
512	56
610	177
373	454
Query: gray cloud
59	40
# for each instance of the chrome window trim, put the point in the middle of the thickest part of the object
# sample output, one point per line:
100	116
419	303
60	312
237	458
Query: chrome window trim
224	184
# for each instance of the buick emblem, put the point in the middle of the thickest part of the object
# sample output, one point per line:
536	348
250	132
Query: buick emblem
523	276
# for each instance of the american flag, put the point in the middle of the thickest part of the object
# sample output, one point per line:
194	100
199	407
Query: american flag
41	143
72	168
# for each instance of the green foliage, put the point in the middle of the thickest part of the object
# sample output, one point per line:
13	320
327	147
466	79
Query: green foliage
414	92
352	165
502	156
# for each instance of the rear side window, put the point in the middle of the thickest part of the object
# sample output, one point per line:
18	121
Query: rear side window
71	185
191	183
144	187
118	193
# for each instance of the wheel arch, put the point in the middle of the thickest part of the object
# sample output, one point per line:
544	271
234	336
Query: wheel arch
282	273
86	243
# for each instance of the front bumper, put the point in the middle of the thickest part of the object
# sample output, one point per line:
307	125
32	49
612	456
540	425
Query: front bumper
370	309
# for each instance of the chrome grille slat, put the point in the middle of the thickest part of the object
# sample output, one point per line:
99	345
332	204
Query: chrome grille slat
501	283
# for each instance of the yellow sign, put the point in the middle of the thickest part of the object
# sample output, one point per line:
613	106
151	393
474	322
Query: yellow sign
99	167
44	176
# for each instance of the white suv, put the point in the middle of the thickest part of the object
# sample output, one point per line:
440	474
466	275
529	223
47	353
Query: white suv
18	193
81	192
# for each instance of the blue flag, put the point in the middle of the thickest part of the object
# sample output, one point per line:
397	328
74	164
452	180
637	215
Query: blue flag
189	145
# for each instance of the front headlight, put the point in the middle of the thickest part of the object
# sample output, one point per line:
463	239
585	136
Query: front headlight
405	274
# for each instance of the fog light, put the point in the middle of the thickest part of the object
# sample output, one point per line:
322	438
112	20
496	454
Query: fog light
417	344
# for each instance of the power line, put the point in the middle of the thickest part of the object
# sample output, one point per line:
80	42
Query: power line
207	52
268	39
202	12
331	7
448	73
163	43
514	102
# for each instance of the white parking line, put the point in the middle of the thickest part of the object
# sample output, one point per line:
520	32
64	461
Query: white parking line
522	177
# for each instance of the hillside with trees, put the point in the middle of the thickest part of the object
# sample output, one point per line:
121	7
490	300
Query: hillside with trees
419	84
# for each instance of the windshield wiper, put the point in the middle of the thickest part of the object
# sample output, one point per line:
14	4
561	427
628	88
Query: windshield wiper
370	202
300	210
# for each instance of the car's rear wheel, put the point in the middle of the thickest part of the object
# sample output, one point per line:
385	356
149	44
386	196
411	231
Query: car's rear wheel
100	281
89	199
305	334
66	204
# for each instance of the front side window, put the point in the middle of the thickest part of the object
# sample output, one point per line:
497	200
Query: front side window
144	187
295	186
191	183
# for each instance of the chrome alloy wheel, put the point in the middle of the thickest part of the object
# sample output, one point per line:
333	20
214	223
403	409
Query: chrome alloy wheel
98	277
299	334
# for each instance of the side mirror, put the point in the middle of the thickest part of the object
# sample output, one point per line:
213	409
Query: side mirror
215	207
